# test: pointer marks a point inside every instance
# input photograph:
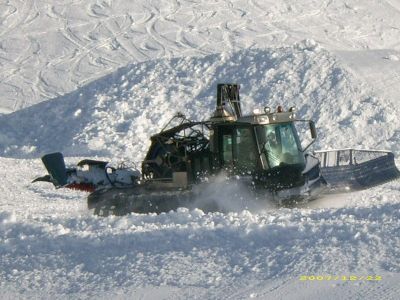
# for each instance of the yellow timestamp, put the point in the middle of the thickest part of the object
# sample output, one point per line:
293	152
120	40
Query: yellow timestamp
340	278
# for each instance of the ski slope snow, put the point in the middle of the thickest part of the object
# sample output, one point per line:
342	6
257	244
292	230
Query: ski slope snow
48	49
51	247
97	78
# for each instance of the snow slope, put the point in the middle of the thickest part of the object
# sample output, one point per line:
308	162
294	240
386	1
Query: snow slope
111	116
116	71
48	49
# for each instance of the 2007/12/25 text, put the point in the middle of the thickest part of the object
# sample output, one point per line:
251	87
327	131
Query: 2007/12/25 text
342	278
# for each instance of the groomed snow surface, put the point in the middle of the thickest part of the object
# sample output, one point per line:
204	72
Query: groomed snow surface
52	247
115	73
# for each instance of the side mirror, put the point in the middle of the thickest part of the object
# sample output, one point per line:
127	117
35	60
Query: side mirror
313	130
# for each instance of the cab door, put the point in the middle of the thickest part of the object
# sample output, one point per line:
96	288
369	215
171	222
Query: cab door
238	149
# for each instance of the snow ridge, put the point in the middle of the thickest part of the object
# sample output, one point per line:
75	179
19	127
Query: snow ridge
111	116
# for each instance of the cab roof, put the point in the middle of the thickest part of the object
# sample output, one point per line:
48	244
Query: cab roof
268	118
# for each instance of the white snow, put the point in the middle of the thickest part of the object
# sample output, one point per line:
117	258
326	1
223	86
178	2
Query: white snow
52	48
97	78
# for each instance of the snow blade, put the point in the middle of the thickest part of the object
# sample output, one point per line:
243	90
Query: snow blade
349	169
55	165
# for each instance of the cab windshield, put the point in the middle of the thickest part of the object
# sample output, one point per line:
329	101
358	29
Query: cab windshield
281	144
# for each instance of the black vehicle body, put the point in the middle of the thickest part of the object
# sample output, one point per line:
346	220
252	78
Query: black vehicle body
263	151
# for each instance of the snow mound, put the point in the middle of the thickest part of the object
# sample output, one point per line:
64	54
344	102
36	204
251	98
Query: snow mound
115	115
